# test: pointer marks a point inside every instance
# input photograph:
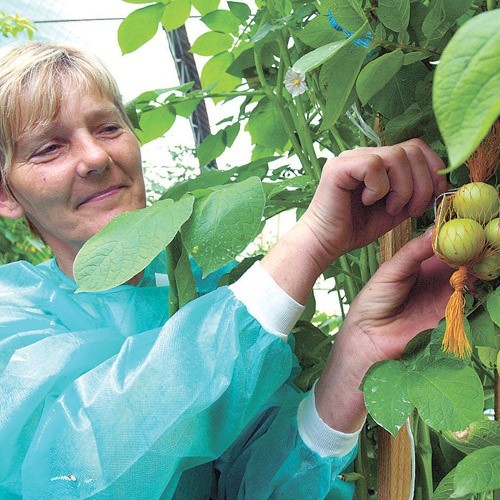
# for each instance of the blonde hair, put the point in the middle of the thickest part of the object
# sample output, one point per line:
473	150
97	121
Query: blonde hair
38	73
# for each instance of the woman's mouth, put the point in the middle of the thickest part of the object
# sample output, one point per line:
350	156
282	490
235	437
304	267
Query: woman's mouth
101	196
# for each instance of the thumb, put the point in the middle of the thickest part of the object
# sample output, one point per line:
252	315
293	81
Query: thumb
408	259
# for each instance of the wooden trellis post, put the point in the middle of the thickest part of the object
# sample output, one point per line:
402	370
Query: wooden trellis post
394	455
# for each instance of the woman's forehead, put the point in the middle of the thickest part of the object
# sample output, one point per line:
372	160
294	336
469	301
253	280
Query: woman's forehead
38	114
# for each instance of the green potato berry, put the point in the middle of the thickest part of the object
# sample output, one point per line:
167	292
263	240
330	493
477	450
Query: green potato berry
476	200
492	232
460	240
488	268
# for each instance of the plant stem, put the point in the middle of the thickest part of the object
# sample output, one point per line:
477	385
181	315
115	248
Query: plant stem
423	457
364	266
284	118
349	285
387	43
173	255
481	367
372	258
361	466
301	121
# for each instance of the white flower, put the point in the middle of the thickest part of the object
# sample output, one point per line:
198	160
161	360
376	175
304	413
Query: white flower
295	83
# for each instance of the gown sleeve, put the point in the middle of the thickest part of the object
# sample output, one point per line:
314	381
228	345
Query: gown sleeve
97	403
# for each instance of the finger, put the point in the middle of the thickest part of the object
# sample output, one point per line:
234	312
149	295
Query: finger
406	262
397	163
434	164
423	185
349	172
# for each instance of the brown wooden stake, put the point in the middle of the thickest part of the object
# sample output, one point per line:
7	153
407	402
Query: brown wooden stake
394	455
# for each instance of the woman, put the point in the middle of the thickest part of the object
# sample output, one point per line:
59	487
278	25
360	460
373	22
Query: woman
102	395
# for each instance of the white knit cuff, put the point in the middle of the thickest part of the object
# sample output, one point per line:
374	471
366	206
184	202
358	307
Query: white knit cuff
319	436
267	302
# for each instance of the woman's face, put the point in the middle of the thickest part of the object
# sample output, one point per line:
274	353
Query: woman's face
72	176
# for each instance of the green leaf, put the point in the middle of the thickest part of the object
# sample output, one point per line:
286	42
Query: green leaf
186	283
318	56
318	31
446	487
466	90
128	243
185	107
224	223
240	10
348	13
412	123
139	27
483	329
212	146
337	77
493	306
266	127
478	472
394	14
214	73
446	393
477	435
377	73
211	43
222	20
441	17
399	93
230	134
154	123
175	14
205	6
385	389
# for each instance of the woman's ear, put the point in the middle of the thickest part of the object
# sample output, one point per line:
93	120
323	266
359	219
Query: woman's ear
9	207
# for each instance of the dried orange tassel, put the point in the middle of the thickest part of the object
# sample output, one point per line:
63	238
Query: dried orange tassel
455	339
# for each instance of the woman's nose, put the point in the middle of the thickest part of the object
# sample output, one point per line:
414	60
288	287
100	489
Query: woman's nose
92	157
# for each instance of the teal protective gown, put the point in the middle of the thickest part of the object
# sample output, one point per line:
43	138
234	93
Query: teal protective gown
103	396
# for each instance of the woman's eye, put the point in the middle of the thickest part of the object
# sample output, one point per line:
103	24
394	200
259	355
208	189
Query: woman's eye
47	150
110	129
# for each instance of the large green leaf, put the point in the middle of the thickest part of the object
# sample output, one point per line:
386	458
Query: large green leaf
139	27
126	245
385	391
477	435
175	14
394	14
211	43
348	13
224	223
466	90
337	79
478	472
376	74
446	393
